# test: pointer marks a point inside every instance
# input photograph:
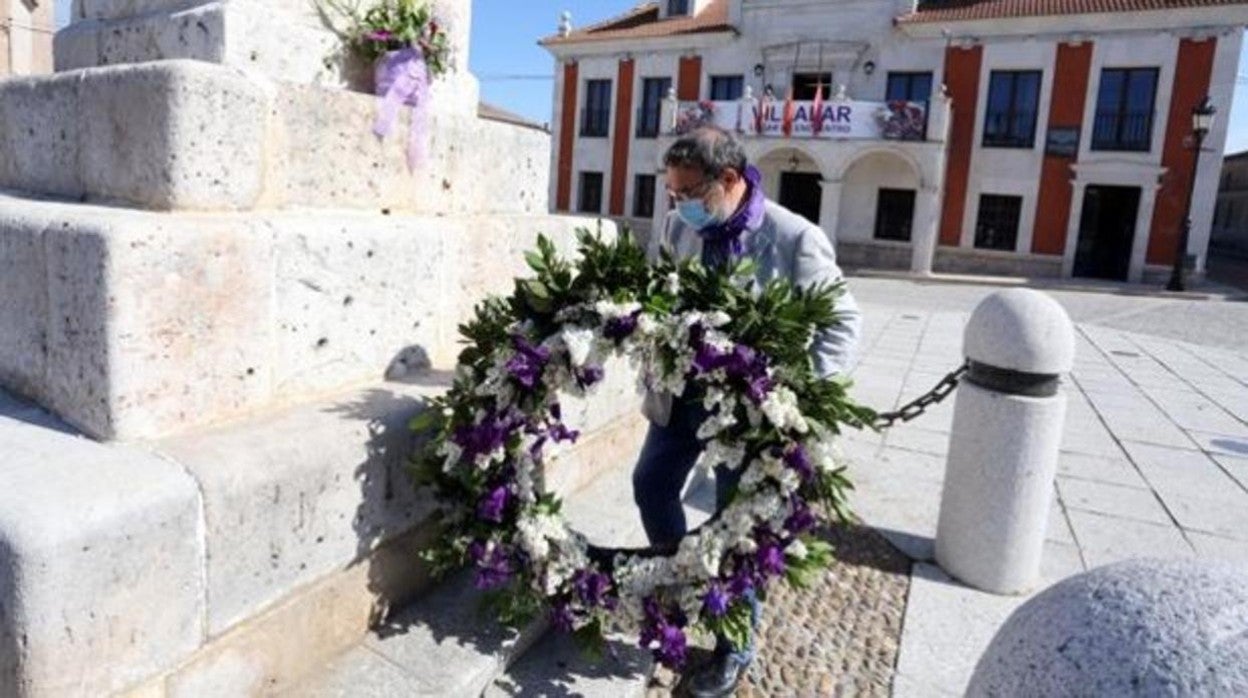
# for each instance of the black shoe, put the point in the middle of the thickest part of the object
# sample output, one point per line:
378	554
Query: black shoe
718	677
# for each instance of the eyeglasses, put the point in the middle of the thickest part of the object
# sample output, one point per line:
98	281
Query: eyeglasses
696	192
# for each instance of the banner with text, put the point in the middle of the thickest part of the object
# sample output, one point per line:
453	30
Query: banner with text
832	120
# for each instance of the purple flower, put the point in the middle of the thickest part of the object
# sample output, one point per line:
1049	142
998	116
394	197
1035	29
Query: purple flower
800	520
561	616
672	646
493	504
379	35
708	358
716	600
527	364
770	560
618	328
588	376
797	459
742	361
493	567
662	635
742	580
758	387
486	437
560	432
591	587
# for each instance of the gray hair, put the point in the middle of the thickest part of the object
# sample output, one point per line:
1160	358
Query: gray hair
708	149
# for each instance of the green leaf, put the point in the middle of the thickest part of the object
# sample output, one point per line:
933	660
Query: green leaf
426	420
535	261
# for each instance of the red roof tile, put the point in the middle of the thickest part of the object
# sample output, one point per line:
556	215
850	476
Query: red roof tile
642	22
969	10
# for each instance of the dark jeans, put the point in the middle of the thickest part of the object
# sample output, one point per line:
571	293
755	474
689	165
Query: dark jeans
667	457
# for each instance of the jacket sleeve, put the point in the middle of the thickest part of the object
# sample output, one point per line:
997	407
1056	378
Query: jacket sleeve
835	349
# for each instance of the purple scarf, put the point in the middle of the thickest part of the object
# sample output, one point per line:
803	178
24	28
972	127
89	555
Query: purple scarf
723	242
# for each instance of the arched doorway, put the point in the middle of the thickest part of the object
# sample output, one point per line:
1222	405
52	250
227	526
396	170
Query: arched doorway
792	178
878	199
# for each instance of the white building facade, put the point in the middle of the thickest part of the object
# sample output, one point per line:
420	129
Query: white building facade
25	37
1055	138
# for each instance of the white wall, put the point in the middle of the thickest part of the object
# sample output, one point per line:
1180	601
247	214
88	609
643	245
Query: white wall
860	193
1009	171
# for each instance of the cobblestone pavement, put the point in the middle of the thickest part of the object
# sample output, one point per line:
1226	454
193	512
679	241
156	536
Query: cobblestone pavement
838	637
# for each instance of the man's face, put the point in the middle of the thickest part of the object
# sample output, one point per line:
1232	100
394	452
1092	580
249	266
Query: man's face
690	184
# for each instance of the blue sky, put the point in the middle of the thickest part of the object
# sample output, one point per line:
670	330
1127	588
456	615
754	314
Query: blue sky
516	73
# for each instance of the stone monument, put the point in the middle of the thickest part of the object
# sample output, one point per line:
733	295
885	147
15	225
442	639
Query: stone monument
212	269
1134	628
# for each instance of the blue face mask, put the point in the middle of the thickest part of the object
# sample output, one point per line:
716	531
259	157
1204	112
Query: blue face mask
695	213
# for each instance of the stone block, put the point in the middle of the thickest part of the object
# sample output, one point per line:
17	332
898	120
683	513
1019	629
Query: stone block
294	496
40	135
101	561
356	297
190	135
156	323
174	135
1142	627
235	312
23	303
285	39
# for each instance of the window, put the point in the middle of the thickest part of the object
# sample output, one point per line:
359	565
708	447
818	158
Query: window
1124	109
596	117
643	196
997	227
894	214
1013	97
590	200
804	85
677	7
650	114
727	88
909	87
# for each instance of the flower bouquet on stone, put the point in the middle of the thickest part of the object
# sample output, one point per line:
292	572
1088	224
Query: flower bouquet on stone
740	344
408	48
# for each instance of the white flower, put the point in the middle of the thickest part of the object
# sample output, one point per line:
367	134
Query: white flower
580	343
780	408
536	533
797	550
672	283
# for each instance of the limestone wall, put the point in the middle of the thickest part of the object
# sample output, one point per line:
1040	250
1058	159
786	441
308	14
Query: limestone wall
288	40
179	135
130	324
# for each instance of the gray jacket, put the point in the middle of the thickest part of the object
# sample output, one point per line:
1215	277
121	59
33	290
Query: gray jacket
787	246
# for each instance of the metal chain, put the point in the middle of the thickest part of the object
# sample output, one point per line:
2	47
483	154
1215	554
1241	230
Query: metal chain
919	405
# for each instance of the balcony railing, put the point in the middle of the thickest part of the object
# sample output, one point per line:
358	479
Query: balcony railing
1129	131
836	119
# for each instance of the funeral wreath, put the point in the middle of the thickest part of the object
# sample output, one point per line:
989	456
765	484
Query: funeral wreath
741	346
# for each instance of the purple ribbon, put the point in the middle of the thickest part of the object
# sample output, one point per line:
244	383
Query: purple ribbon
723	241
403	79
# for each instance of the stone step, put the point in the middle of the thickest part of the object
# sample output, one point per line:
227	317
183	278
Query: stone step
191	135
556	666
443	645
240	312
278	541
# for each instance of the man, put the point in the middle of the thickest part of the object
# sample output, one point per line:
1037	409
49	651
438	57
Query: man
721	214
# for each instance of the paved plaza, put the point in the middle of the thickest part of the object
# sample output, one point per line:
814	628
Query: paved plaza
1154	459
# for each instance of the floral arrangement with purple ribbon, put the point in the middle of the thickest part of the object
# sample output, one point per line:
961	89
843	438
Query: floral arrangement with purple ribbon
903	121
744	346
408	48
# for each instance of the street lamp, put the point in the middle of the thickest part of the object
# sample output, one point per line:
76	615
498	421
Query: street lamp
1202	121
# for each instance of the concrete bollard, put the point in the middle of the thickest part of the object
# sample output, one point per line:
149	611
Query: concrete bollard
1007	428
